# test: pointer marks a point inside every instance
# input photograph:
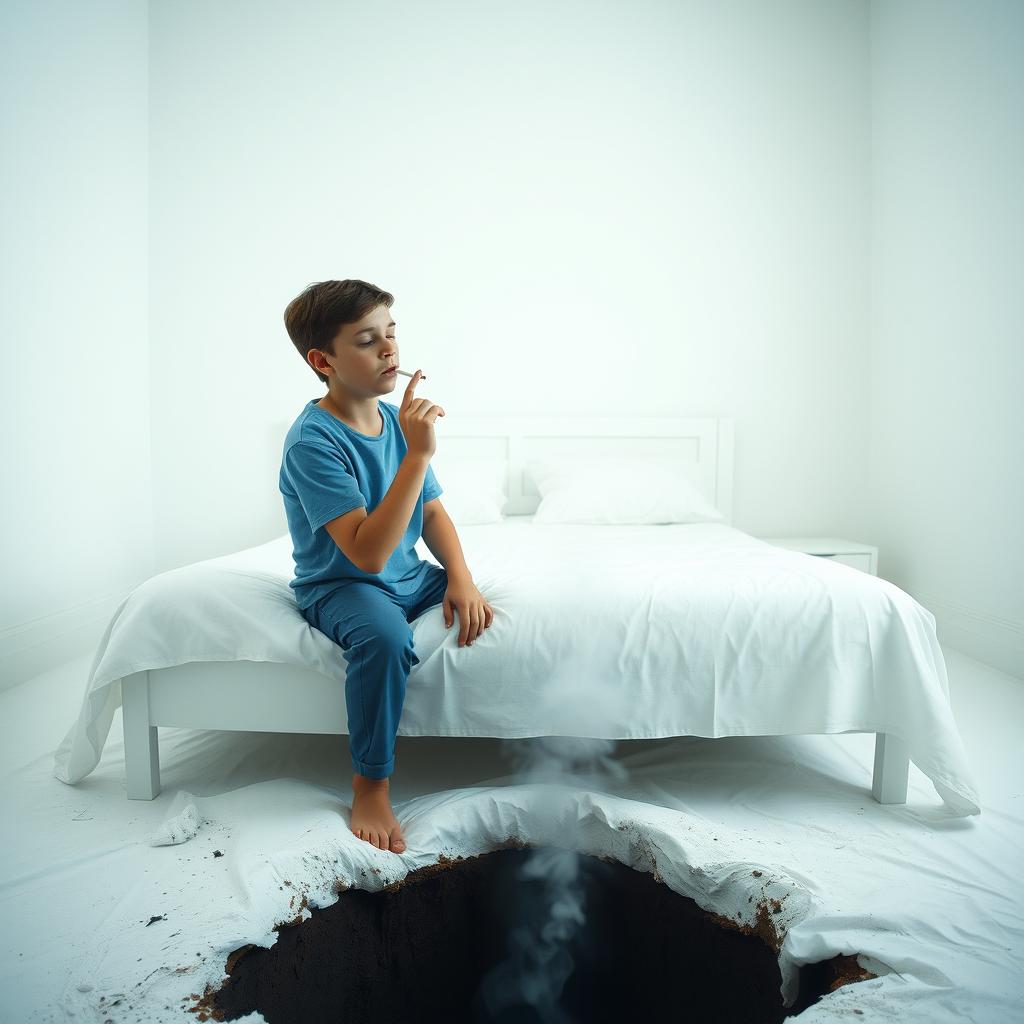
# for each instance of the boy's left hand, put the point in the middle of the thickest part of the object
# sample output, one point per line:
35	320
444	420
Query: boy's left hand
475	614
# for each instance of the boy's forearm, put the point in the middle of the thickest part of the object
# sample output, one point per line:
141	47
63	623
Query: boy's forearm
382	530
440	536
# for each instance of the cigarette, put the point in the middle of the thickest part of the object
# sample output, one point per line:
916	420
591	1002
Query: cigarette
406	373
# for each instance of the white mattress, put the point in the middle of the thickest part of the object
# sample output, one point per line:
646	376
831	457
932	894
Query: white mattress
624	632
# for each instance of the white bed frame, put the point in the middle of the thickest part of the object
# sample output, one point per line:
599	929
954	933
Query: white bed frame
260	696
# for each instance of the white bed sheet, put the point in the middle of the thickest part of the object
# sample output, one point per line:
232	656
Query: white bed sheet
628	632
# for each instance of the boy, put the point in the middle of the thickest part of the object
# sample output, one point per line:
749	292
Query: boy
358	493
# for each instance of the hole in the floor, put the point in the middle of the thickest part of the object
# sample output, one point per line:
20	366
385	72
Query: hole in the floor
459	940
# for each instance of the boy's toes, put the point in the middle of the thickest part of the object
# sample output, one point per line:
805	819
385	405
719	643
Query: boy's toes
397	842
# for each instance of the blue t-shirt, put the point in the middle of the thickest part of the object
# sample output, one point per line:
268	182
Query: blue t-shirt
328	469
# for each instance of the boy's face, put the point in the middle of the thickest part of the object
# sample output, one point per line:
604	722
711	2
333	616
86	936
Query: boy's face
362	351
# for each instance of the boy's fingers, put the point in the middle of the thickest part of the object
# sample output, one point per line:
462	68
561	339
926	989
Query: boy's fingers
411	387
472	622
466	615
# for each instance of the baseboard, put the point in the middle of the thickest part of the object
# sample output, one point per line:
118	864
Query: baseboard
29	649
987	638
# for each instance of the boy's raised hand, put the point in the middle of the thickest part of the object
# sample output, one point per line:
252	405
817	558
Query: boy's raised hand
416	418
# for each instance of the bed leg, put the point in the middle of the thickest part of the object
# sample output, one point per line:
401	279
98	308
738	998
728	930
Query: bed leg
892	769
141	746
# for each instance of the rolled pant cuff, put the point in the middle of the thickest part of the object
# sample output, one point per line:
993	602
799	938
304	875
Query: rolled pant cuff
373	771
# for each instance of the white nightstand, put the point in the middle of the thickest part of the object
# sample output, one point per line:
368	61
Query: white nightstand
849	552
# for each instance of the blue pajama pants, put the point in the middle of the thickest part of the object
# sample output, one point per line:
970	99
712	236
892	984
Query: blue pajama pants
371	625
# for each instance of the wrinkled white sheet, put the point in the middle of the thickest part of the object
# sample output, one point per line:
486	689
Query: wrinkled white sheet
682	630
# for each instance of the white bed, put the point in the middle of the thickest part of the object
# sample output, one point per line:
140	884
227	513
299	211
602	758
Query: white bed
616	631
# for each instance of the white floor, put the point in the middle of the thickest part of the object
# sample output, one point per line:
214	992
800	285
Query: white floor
932	902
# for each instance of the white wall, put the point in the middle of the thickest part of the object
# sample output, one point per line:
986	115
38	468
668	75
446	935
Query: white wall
581	208
947	364
672	200
75	381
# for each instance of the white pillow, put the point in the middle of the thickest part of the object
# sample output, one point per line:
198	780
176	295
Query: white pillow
473	489
644	489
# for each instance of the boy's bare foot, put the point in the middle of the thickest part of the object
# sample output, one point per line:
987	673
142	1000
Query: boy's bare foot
372	817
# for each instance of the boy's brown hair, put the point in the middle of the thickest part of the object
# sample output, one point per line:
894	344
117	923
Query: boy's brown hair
314	318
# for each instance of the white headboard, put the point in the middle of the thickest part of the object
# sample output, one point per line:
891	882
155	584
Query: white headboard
705	443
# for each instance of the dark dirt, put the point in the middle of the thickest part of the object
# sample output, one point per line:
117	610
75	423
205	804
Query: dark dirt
417	951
